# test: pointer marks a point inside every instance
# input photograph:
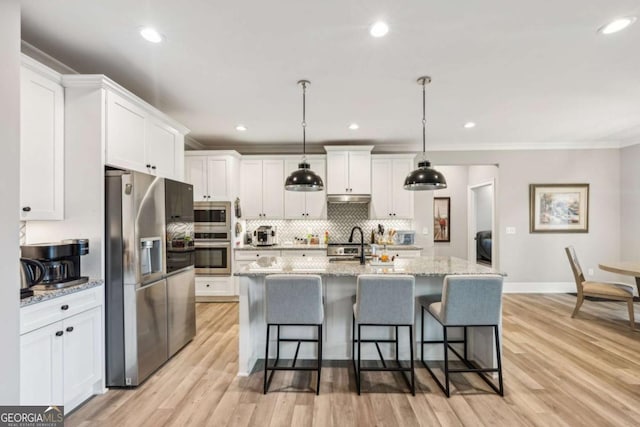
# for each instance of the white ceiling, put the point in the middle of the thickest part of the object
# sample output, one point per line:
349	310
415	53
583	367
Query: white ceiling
530	73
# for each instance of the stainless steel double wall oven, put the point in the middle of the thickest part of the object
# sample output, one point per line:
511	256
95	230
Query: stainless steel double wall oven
212	232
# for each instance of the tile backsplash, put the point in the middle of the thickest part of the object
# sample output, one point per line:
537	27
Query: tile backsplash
341	218
23	232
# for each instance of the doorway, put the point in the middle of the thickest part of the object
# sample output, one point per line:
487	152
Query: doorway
481	217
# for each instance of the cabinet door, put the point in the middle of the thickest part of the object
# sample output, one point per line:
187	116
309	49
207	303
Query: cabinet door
251	188
41	366
273	189
337	172
401	199
316	201
82	356
294	201
360	172
196	175
41	147
215	286
381	189
125	134
160	149
217	183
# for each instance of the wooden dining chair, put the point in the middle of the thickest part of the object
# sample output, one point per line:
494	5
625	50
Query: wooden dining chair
608	290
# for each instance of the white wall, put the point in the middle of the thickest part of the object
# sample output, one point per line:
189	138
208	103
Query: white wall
630	203
535	258
9	185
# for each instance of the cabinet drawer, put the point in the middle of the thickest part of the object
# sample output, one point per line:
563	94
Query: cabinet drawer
401	253
306	254
40	314
212	286
253	255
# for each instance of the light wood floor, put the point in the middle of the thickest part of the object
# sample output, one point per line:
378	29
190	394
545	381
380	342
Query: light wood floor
558	371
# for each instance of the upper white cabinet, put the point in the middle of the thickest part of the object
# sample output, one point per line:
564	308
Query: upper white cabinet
306	204
139	141
262	188
349	169
388	197
41	143
214	176
136	135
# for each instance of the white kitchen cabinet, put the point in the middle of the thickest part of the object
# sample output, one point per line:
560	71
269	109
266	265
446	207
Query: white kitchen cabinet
306	204
405	253
136	135
41	143
41	366
214	177
305	253
82	355
262	188
61	350
125	136
348	169
212	286
388	197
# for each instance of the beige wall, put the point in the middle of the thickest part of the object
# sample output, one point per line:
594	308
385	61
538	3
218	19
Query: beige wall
535	258
9	186
630	202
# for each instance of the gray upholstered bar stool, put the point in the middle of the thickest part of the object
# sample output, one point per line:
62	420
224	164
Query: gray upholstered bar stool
383	300
293	300
467	300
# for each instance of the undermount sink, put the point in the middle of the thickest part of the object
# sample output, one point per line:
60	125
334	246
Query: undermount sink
345	260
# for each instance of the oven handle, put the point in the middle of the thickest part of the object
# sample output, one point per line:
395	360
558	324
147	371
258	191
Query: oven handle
212	244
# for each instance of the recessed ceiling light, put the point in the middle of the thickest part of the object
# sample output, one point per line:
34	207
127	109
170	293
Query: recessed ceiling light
617	25
354	126
379	29
241	128
469	125
151	35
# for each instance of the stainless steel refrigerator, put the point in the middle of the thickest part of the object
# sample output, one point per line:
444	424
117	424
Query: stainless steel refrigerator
150	313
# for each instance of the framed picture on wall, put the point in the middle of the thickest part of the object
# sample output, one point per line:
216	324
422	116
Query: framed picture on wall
441	219
559	208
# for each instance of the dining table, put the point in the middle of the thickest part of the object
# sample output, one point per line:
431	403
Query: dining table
626	268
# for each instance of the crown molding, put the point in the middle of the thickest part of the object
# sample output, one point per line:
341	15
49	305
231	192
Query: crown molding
41	69
192	144
42	57
195	153
100	81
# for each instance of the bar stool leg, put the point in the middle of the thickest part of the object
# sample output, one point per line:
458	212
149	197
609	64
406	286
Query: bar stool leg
359	354
446	359
422	334
499	359
278	343
397	348
413	376
266	361
465	344
319	358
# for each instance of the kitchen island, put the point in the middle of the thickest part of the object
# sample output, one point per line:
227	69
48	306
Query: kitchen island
339	286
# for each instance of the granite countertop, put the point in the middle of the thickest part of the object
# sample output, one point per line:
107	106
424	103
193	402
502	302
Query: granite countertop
318	248
420	266
40	296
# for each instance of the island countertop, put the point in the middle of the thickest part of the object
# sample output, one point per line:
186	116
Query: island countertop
420	266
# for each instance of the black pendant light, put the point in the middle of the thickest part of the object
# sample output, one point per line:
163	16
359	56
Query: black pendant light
425	177
304	179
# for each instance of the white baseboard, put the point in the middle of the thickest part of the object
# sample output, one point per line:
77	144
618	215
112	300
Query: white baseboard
538	287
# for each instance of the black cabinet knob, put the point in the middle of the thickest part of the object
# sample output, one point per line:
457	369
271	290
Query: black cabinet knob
208	285
59	333
153	167
64	307
70	329
27	209
148	165
304	254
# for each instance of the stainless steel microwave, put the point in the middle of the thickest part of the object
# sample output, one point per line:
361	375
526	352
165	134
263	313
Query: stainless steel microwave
212	214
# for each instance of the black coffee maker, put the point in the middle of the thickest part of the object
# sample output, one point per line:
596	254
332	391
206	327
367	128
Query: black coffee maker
61	262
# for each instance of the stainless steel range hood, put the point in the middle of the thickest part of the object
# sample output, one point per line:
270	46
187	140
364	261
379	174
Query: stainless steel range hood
348	198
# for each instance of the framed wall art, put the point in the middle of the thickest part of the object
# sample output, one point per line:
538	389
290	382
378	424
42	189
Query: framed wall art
559	208
441	219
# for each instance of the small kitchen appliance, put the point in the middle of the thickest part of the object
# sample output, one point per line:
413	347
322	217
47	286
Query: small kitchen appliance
265	235
61	262
31	273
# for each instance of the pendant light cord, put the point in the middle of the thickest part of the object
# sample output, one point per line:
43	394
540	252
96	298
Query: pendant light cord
424	120
304	119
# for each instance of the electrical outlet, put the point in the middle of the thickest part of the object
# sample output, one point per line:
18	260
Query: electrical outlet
590	272
511	230
425	231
